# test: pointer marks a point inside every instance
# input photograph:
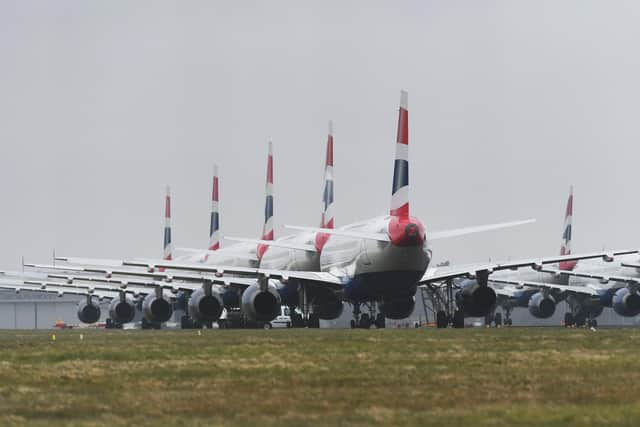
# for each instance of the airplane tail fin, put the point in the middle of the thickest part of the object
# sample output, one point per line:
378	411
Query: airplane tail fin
400	189
267	230
214	227
167	253
327	219
565	249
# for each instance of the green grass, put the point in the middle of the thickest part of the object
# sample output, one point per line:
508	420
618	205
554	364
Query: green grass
479	377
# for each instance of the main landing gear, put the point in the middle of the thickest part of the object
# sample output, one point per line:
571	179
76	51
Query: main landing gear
306	319
366	320
498	320
581	314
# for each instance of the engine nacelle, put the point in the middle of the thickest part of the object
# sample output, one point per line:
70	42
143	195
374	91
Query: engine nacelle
325	303
262	306
205	308
156	309
398	308
475	300
542	306
122	310
626	303
88	311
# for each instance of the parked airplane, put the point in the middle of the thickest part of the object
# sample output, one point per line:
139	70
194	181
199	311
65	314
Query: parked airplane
375	262
585	286
540	300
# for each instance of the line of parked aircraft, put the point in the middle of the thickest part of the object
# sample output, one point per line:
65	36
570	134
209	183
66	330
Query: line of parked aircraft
375	266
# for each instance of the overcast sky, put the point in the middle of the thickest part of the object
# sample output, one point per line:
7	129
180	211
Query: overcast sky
102	104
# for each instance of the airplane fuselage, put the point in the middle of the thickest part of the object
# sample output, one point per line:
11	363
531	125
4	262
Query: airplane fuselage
373	269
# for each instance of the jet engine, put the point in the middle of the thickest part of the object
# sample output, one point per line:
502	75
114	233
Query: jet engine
88	311
122	310
626	303
259	305
325	303
475	300
542	306
397	308
156	308
205	307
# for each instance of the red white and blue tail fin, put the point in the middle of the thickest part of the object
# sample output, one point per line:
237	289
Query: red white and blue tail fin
327	218
565	249
267	230
400	189
214	227
168	245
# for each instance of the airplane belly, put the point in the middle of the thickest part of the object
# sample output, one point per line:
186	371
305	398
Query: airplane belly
390	272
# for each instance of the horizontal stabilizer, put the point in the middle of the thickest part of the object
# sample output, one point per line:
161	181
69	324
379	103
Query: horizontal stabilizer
344	233
476	229
275	243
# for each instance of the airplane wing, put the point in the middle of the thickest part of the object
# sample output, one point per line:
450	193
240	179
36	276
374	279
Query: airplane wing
167	279
602	278
476	229
438	274
217	274
58	289
586	290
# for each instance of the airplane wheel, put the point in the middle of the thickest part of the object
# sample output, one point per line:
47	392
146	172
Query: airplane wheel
442	319
458	319
296	320
380	321
365	321
314	321
568	320
498	320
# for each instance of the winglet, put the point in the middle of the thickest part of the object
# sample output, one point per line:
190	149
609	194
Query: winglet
565	248
214	226
400	188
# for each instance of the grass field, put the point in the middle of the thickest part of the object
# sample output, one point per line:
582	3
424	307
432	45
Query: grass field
475	377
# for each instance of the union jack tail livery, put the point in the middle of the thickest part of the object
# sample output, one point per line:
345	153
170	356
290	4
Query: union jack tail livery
168	245
400	190
565	249
327	220
267	230
214	227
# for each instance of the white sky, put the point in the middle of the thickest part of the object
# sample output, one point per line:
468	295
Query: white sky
102	104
